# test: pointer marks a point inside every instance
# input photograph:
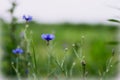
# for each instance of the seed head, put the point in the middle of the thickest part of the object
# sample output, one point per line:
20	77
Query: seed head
83	63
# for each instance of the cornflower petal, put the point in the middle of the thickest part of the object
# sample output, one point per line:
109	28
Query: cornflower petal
27	18
47	37
17	51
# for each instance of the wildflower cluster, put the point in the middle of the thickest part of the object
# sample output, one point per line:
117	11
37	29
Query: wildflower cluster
26	55
65	65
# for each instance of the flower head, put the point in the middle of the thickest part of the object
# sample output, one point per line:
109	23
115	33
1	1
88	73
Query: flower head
47	37
17	51
27	18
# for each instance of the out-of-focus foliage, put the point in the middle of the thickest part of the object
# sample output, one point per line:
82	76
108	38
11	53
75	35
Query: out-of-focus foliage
96	46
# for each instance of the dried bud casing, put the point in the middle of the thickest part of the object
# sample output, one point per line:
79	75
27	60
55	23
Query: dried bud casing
113	52
83	63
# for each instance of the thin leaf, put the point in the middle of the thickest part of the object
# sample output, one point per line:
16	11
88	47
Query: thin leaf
114	20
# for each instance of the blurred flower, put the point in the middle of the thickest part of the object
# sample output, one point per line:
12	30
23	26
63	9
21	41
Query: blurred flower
17	51
47	37
27	18
26	71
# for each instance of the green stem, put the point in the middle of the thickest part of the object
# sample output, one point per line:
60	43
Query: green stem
50	56
48	64
83	72
107	68
34	59
17	67
76	53
71	70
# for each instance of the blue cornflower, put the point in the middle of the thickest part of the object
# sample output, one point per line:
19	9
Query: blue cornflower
17	51
47	37
27	18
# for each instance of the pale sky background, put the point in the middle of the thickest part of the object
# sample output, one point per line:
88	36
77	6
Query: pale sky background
51	11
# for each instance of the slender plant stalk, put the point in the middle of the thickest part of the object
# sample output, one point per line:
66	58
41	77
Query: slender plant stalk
108	65
34	58
107	68
84	69
49	47
62	66
71	70
16	68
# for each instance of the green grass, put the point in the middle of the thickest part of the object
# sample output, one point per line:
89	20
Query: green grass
99	40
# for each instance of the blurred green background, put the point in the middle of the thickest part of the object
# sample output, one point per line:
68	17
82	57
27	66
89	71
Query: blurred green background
96	46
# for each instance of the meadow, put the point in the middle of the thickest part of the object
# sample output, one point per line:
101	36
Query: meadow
84	50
